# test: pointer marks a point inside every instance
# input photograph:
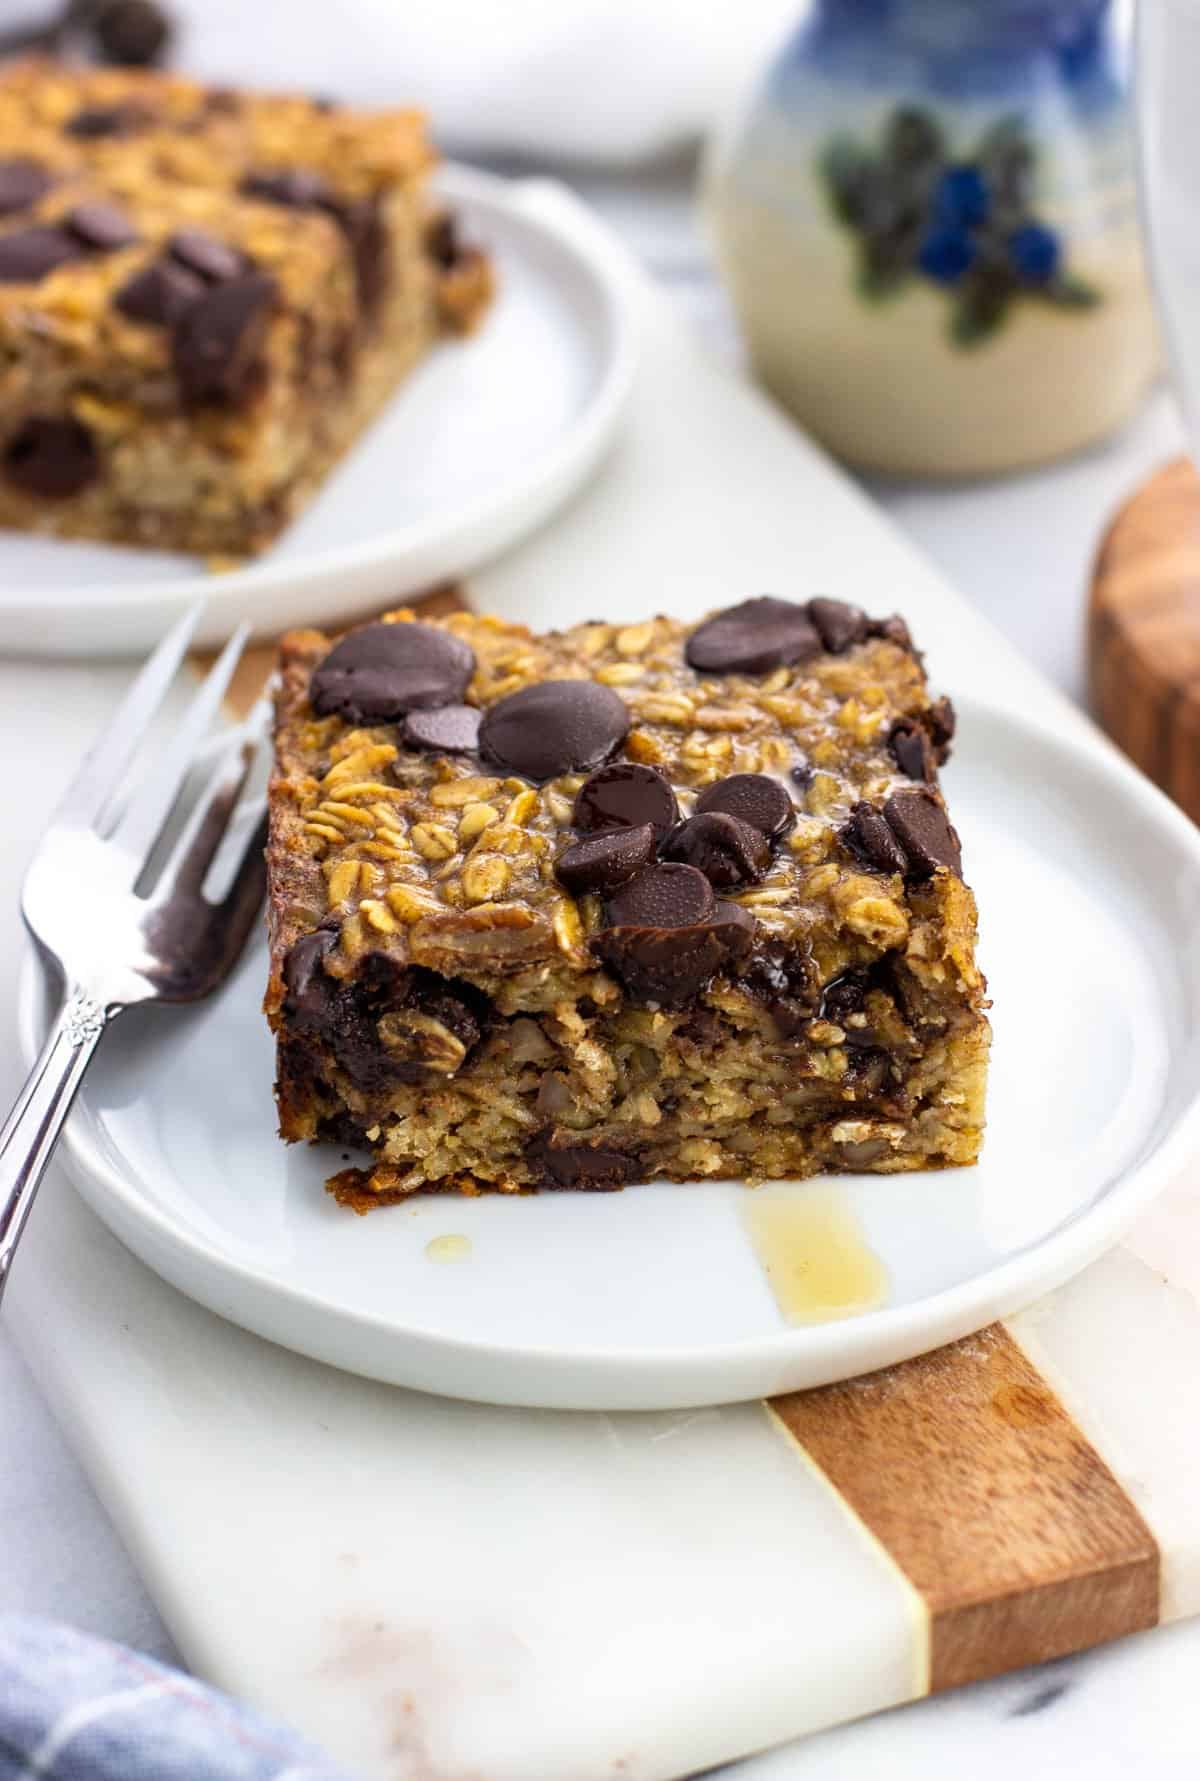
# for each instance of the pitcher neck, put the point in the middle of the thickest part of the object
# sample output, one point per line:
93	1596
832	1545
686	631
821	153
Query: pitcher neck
964	47
1012	22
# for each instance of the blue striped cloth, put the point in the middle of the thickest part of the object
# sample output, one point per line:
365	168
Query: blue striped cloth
74	1708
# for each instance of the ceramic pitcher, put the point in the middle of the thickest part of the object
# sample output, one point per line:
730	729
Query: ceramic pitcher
926	216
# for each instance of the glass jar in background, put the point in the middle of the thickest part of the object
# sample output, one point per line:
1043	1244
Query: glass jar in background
926	217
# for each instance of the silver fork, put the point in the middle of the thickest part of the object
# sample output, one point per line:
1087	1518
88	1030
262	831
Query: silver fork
115	944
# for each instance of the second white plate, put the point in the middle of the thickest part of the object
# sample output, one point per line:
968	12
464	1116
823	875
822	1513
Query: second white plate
485	439
1089	884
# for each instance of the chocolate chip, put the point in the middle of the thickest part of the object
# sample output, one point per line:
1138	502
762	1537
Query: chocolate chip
299	188
22	183
871	841
625	795
844	995
802	775
674	896
159	293
452	729
101	226
943	721
413	1017
371	247
918	819
441	240
304	978
560	726
840	625
843	999
891	630
201	252
217	342
595	1167
752	638
784	980
754	798
728	852
29	254
911	749
602	862
132	33
51	456
872	1071
347	1015
671	965
95	121
380	672
223	100
460	1008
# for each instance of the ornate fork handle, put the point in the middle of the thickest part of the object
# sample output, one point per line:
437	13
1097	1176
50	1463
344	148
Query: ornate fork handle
30	1132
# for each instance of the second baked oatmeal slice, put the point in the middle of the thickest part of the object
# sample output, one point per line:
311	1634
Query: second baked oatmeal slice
620	903
205	296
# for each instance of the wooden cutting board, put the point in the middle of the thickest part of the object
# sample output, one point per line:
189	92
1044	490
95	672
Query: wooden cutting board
1143	631
441	1589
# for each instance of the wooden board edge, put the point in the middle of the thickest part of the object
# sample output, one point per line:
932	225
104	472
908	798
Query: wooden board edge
969	1472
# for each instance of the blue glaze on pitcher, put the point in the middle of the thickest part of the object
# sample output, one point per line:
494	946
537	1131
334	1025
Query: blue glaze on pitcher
963	50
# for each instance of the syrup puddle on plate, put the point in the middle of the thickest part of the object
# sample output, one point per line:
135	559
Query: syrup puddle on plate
451	1248
814	1254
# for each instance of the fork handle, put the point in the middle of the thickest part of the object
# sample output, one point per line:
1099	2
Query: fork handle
29	1134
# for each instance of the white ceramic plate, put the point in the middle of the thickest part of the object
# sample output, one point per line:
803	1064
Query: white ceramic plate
485	439
1089	883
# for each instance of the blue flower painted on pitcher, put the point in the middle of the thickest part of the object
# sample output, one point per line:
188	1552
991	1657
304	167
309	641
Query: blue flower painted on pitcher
964	223
946	254
961	199
1035	254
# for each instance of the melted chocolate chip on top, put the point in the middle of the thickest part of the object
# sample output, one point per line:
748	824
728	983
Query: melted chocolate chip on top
912	749
557	726
216	343
28	255
672	896
605	860
869	837
447	729
382	671
840	625
670	936
101	226
22	183
205	254
728	851
298	188
753	638
919	821
159	293
623	795
95	121
755	798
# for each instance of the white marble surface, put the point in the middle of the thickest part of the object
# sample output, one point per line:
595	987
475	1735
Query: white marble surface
1020	548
